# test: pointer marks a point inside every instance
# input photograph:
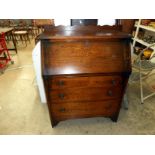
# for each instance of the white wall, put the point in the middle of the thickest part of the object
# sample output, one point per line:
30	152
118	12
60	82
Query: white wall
106	22
65	22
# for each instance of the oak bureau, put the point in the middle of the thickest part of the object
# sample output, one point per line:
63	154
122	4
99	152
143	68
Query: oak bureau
85	71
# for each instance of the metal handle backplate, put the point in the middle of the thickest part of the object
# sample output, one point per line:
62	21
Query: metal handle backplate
61	96
110	93
62	109
60	83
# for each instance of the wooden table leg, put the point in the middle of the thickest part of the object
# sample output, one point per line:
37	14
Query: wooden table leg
14	42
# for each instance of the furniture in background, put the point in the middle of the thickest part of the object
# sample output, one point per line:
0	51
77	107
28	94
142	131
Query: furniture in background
140	39
85	71
41	23
8	33
24	26
127	25
5	23
4	53
143	54
22	32
142	69
34	28
21	35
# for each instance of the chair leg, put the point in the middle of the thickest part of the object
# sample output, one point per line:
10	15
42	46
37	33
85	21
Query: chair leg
25	39
14	37
125	102
14	42
32	34
141	91
21	38
27	35
141	85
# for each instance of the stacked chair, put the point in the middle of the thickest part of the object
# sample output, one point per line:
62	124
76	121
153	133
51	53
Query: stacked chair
141	70
21	33
4	53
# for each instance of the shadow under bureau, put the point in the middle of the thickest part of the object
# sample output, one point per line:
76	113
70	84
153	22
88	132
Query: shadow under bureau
85	71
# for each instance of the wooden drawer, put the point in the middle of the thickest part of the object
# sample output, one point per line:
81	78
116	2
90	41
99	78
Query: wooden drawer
82	82
84	109
85	94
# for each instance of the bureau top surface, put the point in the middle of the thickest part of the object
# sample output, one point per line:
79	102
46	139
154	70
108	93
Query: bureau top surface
83	32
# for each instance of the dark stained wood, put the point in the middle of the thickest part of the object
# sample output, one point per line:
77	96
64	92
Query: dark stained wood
83	32
76	57
84	109
85	94
51	29
127	25
85	71
83	82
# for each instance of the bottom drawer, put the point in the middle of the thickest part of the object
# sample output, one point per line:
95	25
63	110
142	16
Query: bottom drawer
84	109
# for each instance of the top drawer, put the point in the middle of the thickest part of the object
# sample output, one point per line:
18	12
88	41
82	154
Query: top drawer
80	82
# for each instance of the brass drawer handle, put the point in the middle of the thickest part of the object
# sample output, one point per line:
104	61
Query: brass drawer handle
110	93
62	109
61	96
60	83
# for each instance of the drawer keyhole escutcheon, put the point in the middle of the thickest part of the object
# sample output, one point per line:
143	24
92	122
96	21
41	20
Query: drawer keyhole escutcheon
61	96
62	109
113	82
60	83
110	93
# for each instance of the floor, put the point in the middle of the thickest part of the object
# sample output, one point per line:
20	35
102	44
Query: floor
21	111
